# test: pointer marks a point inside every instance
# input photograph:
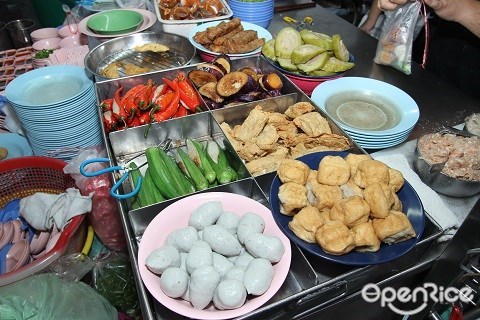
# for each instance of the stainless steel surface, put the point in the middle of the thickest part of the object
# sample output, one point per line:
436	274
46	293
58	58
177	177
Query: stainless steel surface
440	103
19	32
442	183
121	52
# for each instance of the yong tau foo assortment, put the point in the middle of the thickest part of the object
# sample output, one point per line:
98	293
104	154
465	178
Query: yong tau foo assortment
191	9
265	138
220	257
229	37
345	204
220	86
308	53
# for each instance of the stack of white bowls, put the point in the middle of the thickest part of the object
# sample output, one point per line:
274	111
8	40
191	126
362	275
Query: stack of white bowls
376	114
44	33
257	12
56	106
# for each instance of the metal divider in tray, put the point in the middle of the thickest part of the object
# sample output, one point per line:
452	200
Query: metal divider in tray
311	282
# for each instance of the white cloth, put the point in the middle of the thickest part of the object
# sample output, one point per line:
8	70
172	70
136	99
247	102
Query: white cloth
43	210
431	201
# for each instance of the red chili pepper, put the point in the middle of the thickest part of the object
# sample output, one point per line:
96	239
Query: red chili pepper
107	105
144	118
170	110
135	122
188	95
109	121
143	100
181	111
163	101
117	108
129	100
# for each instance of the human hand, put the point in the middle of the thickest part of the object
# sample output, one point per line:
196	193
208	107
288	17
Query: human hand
390	4
446	9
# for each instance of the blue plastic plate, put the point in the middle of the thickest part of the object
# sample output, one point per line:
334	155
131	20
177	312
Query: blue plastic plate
412	207
16	145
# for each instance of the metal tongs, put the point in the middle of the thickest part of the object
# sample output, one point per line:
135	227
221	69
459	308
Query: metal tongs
306	23
165	145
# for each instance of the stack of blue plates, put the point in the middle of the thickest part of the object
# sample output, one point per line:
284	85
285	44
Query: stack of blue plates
375	114
56	106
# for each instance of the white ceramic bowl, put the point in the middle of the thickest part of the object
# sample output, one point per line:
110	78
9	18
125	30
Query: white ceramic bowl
68	30
44	33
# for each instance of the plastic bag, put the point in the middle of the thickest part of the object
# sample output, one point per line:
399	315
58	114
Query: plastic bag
105	216
395	42
112	277
45	296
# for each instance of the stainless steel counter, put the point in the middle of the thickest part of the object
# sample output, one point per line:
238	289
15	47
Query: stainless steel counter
440	104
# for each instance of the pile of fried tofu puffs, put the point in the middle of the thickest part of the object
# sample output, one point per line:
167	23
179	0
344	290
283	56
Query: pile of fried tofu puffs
346	204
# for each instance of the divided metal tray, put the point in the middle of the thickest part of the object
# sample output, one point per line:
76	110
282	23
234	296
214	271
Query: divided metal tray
312	282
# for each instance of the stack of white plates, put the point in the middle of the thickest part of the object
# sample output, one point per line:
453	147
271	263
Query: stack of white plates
57	109
375	114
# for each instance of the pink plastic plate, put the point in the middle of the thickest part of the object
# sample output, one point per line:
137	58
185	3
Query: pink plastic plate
176	216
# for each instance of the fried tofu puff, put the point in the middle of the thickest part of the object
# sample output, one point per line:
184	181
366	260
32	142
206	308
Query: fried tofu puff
350	189
396	180
333	171
293	197
322	195
379	199
291	170
354	159
371	171
313	124
351	211
394	228
365	238
335	238
306	223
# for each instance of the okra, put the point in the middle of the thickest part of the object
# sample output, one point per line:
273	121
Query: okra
144	197
198	155
157	195
193	171
181	182
221	171
160	175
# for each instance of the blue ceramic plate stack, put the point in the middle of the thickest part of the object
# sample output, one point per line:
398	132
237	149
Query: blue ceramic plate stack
375	114
257	12
56	106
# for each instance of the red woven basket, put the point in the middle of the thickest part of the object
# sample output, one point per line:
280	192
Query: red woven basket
21	177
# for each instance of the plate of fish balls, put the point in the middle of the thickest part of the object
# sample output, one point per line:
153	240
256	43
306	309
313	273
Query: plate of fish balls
347	208
214	255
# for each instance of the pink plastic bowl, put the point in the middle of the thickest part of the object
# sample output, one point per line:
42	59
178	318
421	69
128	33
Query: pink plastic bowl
68	30
52	43
208	57
44	33
72	41
307	85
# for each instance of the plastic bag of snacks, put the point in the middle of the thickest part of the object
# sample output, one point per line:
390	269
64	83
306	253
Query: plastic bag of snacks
395	42
105	216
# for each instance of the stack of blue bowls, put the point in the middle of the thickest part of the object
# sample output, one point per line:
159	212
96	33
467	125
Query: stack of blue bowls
57	109
257	12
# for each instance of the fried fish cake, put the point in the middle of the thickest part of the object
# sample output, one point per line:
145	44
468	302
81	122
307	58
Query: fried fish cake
371	171
335	238
333	170
351	211
291	170
306	223
293	197
365	238
322	195
394	228
313	124
378	198
298	109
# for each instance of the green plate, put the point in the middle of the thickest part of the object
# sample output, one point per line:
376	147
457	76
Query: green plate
113	22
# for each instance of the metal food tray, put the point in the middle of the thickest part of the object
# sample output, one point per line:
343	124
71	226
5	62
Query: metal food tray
312	282
121	51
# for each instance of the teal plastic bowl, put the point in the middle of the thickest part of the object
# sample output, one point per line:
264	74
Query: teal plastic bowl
113	22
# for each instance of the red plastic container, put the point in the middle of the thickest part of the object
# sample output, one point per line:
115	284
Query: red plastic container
21	177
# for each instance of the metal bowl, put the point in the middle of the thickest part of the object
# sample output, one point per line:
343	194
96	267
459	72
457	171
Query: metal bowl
121	50
432	176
